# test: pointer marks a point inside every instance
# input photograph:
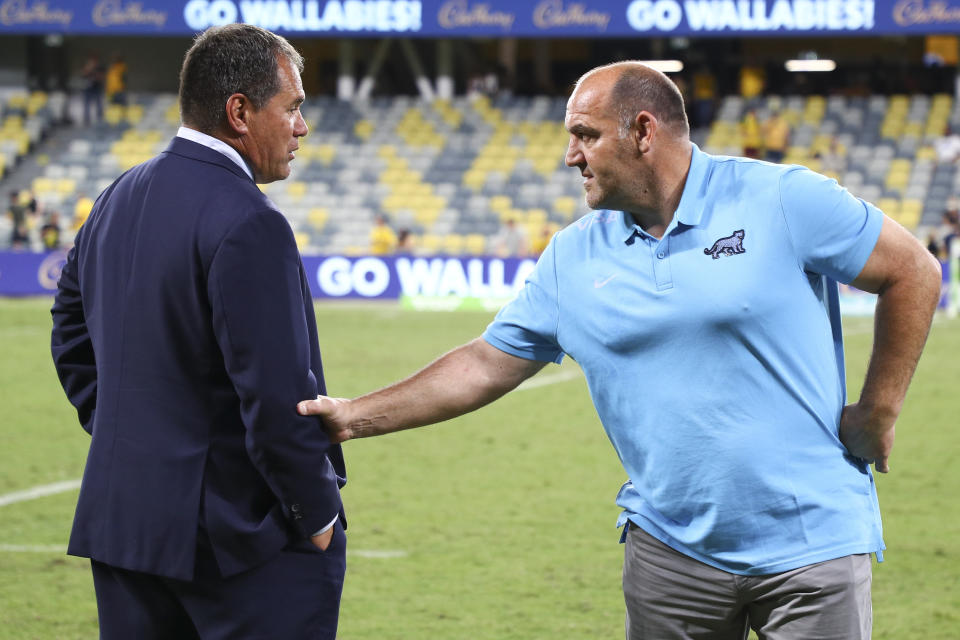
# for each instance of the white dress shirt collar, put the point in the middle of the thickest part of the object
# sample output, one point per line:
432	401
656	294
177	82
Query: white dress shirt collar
217	145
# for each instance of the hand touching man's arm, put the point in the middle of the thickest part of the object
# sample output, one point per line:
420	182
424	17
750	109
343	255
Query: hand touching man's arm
461	381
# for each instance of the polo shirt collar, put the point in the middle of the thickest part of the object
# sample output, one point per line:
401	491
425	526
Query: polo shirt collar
690	210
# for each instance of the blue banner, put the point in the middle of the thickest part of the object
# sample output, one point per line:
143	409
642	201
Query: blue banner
396	277
331	277
30	274
440	282
469	18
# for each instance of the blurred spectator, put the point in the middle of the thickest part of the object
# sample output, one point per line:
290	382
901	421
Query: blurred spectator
752	82
92	74
510	241
29	201
382	238
485	82
776	136
934	247
116	82
704	96
832	160
50	232
539	243
750	136
949	225
17	212
81	211
947	147
404	241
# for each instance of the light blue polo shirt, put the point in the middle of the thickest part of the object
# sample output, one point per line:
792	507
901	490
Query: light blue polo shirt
715	360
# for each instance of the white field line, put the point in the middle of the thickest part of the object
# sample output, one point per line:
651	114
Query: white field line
376	554
32	548
16	332
39	492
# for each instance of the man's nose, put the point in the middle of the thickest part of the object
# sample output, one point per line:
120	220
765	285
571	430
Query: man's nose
573	157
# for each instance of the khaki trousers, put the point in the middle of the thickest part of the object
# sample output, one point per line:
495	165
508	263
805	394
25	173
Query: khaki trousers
670	596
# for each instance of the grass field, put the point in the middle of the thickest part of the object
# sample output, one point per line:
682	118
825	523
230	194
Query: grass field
495	526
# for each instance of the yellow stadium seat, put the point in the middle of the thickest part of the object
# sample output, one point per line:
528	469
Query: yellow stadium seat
537	216
911	211
134	114
897	179
113	114
43	185
500	203
565	206
363	129
66	186
476	244
318	217
172	114
325	153
302	239
296	189
430	243
890	206
453	244
426	215
474	179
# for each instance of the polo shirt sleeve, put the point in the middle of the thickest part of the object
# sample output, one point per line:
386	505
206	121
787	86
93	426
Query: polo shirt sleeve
527	326
832	231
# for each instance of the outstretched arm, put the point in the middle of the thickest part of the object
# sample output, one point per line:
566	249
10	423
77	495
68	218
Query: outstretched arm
464	379
907	279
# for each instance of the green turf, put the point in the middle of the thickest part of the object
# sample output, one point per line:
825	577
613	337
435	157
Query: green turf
505	516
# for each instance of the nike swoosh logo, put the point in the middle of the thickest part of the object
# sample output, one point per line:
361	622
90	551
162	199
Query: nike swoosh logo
602	283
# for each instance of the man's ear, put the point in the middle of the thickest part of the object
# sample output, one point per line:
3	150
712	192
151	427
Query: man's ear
645	128
238	109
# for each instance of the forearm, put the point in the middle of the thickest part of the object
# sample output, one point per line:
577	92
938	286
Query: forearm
461	381
902	321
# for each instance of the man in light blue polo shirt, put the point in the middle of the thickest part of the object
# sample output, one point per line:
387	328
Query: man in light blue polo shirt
700	300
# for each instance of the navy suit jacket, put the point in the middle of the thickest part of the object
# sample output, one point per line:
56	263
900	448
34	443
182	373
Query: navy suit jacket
184	334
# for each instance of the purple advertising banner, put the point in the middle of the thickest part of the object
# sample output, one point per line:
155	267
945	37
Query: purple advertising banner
487	18
331	277
377	278
30	274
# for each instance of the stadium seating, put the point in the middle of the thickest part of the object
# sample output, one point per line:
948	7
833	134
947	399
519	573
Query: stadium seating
879	147
452	172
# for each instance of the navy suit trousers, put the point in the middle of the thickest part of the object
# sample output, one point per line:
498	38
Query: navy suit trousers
293	596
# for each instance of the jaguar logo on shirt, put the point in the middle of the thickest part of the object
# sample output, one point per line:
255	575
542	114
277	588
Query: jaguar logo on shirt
728	246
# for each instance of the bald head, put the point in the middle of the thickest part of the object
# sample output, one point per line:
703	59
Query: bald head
633	87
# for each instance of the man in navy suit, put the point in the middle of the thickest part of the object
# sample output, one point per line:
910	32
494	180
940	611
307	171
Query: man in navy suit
184	334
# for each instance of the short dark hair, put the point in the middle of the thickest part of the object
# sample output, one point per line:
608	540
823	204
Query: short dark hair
642	88
234	58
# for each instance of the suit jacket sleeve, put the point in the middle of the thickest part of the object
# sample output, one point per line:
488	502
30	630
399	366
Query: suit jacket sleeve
71	345
256	292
